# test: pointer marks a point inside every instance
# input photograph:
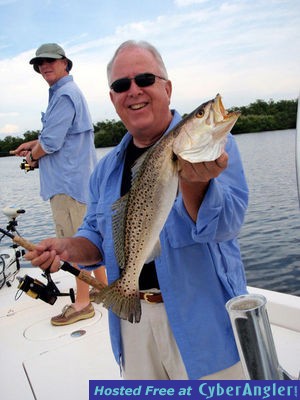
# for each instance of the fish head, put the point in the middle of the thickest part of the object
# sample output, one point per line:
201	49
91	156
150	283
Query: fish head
201	136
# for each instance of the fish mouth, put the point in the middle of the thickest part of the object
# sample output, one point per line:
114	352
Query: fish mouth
203	133
220	113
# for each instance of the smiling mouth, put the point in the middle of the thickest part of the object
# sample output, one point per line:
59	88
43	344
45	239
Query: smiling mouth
137	106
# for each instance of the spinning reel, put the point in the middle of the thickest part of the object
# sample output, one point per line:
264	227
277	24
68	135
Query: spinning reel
11	264
35	288
38	290
24	165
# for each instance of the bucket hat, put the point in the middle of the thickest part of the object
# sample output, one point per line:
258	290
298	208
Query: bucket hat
49	50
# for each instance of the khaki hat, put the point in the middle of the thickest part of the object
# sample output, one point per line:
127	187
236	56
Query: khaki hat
49	50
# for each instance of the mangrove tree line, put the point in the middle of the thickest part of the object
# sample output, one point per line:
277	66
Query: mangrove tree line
256	117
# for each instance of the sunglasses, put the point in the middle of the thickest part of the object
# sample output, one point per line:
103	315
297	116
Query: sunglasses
41	61
141	80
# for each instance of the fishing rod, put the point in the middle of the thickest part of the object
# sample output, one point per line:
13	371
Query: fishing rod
49	292
24	164
7	153
10	258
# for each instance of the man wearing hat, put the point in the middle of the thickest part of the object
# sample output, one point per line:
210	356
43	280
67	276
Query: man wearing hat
65	154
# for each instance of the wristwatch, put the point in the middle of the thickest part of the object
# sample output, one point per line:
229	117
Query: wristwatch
31	158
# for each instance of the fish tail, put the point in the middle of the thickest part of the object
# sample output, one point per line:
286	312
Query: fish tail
126	306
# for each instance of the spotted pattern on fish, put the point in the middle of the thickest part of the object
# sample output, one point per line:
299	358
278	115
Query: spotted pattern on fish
139	216
152	194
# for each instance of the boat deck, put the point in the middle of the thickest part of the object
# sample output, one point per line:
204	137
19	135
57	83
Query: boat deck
40	361
284	316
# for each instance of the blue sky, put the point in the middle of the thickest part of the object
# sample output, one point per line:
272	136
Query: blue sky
244	49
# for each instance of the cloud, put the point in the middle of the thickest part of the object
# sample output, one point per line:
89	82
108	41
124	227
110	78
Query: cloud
23	92
244	50
186	3
9	129
5	115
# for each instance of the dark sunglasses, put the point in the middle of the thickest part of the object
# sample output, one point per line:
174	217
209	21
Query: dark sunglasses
141	80
40	61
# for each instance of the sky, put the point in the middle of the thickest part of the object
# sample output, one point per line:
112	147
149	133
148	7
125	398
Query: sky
243	49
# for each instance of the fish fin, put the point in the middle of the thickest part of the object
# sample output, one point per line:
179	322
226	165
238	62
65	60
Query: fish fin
119	208
127	307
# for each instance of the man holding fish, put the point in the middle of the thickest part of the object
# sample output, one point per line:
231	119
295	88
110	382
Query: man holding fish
166	206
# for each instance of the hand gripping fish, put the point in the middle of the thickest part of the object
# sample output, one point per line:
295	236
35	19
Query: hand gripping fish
139	216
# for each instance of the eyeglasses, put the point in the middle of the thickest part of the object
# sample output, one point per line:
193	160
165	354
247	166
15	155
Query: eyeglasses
141	80
40	61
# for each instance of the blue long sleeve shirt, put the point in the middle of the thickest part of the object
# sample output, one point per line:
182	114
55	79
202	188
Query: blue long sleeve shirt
199	267
67	137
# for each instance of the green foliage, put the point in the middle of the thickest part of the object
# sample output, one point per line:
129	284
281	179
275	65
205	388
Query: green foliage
109	133
12	142
9	143
256	117
31	135
266	116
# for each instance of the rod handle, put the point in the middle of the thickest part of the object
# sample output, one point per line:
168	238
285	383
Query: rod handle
90	280
24	243
83	276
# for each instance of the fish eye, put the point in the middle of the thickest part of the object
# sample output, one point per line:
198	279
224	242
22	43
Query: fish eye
200	114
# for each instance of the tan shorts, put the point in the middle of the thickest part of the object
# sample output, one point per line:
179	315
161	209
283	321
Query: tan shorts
150	351
67	214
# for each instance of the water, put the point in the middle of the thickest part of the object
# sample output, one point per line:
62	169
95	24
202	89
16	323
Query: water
269	239
270	236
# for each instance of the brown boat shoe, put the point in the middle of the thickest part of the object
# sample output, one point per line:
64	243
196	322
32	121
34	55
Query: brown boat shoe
69	315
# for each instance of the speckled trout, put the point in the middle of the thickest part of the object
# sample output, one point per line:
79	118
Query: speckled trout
139	216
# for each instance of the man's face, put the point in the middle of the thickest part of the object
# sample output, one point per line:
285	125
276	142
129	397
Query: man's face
143	110
52	70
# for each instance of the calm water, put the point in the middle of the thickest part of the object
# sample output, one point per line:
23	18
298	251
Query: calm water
269	240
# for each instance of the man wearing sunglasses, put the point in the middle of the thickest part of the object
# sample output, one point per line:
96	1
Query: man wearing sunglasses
184	331
65	154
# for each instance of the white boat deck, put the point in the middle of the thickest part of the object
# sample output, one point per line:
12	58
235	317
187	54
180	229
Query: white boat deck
40	361
284	316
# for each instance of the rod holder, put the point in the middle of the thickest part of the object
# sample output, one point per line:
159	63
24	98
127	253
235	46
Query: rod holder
254	339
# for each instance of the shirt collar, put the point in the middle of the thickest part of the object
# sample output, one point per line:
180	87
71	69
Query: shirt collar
126	139
62	81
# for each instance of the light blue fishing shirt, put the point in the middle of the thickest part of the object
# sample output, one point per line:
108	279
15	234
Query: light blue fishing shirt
200	266
67	137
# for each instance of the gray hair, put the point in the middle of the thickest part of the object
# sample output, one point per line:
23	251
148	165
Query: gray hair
142	45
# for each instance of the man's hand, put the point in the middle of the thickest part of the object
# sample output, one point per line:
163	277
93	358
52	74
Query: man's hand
24	148
194	180
203	171
48	253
